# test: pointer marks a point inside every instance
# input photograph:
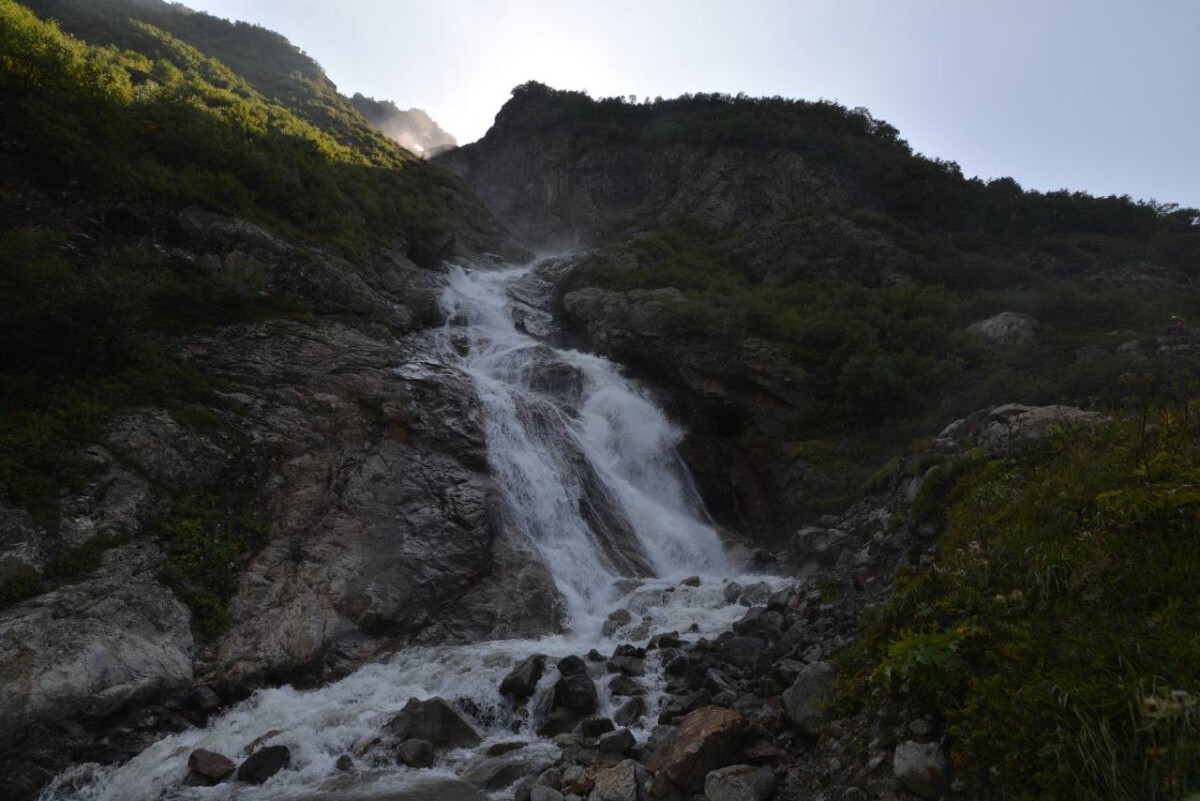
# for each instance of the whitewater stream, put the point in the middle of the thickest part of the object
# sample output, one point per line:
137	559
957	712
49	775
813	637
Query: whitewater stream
589	468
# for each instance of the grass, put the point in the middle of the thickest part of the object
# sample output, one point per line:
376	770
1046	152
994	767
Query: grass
1056	635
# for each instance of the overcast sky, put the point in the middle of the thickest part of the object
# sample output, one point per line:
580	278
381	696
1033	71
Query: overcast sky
1097	95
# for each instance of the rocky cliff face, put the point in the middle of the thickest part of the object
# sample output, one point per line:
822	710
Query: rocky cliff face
367	466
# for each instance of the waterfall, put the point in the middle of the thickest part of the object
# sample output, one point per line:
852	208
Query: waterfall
588	464
588	467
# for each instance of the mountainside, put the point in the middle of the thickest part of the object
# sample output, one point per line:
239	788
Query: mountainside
815	294
244	443
208	281
413	129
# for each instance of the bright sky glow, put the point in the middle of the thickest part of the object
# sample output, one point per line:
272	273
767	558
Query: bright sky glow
1095	95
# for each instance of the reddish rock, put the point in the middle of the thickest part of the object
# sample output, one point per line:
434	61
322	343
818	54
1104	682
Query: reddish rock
208	767
711	737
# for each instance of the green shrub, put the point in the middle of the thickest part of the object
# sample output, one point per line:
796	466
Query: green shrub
207	546
1056	632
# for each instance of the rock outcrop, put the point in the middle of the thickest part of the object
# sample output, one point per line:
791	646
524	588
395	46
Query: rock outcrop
366	464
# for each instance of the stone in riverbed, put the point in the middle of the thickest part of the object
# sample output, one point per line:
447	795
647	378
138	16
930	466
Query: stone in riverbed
208	768
577	693
436	721
522	680
264	763
415	753
616	742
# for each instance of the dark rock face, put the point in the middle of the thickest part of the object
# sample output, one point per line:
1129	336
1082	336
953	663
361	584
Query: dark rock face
372	481
723	392
264	763
434	721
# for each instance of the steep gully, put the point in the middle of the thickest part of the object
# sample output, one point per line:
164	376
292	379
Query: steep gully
588	469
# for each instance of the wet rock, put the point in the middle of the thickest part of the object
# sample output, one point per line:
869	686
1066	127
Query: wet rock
500	749
572	666
522	680
691	581
264	763
756	594
668	639
204	699
344	763
922	768
558	721
615	621
630	712
495	773
594	727
208	767
541	792
802	701
415	753
616	742
627	665
577	693
433	720
621	782
740	783
707	739
625	686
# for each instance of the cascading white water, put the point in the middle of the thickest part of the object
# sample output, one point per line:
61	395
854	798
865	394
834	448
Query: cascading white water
589	469
566	430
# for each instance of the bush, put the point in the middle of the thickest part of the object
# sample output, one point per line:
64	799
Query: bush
1056	633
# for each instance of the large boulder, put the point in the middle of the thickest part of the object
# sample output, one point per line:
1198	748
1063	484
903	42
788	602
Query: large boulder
1012	427
576	693
264	763
709	738
435	721
1005	329
522	680
496	773
206	768
740	783
802	701
922	768
88	648
624	781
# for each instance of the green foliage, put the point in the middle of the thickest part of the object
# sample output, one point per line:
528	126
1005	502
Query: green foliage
149	116
21	584
915	196
1056	633
928	665
207	545
70	566
78	344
